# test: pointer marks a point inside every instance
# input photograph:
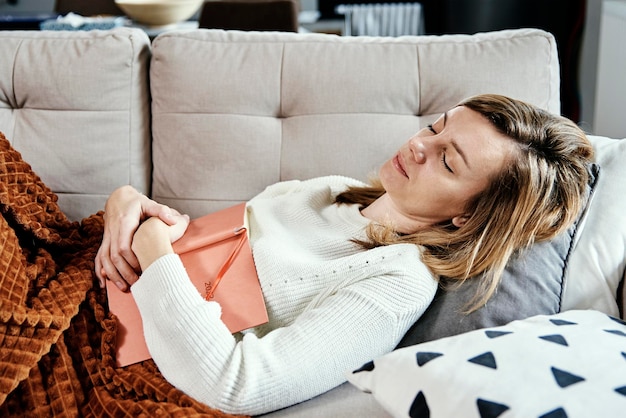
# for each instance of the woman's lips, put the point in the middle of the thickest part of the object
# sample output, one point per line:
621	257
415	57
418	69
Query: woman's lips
398	164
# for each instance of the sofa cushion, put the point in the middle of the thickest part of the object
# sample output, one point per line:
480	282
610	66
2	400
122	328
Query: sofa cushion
598	260
76	105
244	110
570	364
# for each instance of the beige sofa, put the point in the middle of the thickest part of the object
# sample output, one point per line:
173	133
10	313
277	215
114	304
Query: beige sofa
201	120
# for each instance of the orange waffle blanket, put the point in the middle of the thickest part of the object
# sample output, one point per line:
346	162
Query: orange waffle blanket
56	334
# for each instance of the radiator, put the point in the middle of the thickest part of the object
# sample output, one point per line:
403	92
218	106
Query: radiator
382	19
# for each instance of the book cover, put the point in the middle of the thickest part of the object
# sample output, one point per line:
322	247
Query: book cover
216	254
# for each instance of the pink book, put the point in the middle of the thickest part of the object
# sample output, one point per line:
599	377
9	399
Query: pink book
216	253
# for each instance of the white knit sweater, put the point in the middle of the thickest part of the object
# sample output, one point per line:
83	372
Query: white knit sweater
332	306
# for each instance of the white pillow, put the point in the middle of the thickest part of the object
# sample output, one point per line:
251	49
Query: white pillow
598	261
571	364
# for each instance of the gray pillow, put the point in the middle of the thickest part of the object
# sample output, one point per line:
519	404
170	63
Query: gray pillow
532	284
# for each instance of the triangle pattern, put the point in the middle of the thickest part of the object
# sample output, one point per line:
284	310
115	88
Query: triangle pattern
424	357
560	322
557	413
367	367
419	407
488	409
496	334
619	321
616	332
556	338
486	359
621	391
565	379
624	354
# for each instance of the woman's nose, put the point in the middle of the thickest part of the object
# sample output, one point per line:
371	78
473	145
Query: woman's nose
418	149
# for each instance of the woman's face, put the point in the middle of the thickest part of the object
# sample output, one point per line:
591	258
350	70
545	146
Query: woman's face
434	175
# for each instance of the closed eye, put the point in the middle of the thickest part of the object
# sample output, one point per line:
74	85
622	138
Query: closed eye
445	164
443	156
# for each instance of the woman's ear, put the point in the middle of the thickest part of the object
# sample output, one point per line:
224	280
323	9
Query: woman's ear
459	221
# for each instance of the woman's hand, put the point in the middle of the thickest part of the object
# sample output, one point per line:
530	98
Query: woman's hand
125	209
154	239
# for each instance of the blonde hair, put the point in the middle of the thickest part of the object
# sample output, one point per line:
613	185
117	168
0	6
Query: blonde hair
537	196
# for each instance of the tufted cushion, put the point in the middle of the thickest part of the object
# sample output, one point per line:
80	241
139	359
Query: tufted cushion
75	104
239	110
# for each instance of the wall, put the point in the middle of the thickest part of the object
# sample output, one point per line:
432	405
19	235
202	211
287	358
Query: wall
610	98
589	64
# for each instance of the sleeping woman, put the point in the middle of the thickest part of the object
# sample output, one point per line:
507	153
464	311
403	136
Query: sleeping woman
347	267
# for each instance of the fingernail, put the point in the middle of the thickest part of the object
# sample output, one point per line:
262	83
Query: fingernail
120	285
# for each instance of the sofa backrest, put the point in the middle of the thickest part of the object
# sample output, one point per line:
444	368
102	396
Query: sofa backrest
236	111
76	105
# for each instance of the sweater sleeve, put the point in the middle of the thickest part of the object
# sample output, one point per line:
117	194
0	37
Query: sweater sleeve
196	353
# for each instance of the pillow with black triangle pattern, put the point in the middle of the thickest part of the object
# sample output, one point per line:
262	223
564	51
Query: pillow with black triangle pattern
571	364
